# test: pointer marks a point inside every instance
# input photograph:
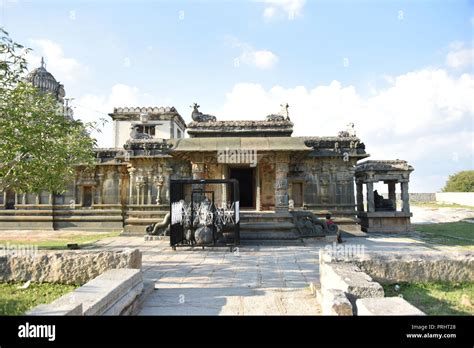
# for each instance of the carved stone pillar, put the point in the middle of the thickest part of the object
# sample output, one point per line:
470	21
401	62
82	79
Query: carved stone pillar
281	182
168	171
257	188
159	180
99	189
131	173
120	187
370	197
149	173
140	184
392	193
405	197
360	197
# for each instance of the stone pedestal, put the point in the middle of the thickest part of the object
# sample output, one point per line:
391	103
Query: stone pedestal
385	221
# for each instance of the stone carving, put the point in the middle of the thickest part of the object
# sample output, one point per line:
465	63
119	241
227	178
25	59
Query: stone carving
349	132
282	116
382	204
161	228
198	116
135	134
275	117
307	224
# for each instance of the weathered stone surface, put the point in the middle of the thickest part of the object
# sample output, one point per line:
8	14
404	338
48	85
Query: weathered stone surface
105	294
334	302
455	267
57	308
108	294
416	267
386	306
67	267
349	279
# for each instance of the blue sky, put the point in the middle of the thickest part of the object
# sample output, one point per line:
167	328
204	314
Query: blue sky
400	70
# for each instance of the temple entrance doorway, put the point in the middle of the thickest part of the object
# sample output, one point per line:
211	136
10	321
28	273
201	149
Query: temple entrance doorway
87	197
246	179
297	194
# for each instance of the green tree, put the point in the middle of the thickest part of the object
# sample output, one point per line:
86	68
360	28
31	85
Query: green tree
460	182
39	147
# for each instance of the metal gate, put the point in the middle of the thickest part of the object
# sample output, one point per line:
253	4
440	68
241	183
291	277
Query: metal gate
202	216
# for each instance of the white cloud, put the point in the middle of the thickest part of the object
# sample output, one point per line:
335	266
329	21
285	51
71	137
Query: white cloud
92	108
460	58
62	67
262	59
423	116
269	13
288	8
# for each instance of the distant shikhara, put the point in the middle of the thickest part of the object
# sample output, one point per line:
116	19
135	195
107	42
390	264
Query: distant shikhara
129	187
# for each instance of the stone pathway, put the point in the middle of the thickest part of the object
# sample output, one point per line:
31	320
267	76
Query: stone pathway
260	279
253	280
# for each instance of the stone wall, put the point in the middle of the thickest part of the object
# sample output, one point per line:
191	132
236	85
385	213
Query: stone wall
389	268
422	197
346	288
329	184
66	267
421	267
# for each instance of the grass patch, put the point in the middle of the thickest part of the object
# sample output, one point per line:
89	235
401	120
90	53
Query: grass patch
60	242
437	298
15	301
440	205
449	233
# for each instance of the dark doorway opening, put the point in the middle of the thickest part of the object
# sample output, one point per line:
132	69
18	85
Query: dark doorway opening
297	194
87	197
245	177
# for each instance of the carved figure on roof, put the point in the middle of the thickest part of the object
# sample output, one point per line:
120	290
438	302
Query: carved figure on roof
198	116
349	132
136	134
282	116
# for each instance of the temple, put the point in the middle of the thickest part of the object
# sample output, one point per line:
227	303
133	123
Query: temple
129	187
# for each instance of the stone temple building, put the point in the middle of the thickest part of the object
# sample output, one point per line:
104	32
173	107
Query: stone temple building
129	187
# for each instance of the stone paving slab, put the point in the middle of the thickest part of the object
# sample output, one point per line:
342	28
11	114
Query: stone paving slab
258	280
263	278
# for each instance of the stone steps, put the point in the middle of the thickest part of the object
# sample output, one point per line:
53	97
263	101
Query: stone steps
64	219
267	226
136	221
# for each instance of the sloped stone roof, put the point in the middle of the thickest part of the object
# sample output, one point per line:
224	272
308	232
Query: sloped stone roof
383	166
146	109
240	128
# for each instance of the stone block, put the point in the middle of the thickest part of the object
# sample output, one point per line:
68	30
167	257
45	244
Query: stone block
334	302
57	308
66	267
125	301
101	293
386	306
349	279
422	267
108	294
